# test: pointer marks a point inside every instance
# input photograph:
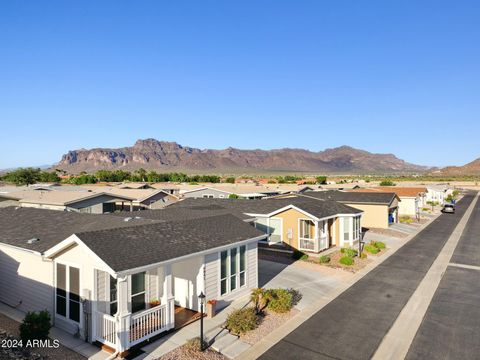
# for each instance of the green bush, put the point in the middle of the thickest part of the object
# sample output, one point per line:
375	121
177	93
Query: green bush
279	300
378	244
35	325
299	255
324	259
387	183
405	219
348	252
371	249
233	196
242	320
259	300
346	260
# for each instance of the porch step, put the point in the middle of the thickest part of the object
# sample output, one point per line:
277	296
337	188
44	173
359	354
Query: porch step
215	334
236	349
223	342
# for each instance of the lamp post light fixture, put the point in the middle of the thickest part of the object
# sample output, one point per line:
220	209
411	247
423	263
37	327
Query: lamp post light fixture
202	301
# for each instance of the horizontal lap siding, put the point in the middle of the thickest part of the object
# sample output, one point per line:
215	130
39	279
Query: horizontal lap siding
102	296
26	280
252	265
152	285
212	277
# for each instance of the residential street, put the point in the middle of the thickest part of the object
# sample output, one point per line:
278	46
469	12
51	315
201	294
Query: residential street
354	324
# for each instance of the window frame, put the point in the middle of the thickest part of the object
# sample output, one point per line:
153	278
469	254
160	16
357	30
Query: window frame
144	292
267	239
238	272
67	298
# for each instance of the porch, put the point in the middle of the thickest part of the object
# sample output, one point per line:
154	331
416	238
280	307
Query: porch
130	310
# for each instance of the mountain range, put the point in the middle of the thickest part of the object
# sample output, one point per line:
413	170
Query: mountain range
151	154
472	168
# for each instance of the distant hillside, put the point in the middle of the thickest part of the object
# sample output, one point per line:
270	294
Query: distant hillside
170	156
472	168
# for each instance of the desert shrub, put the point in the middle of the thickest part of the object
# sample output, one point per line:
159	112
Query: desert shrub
192	346
348	252
405	219
35	325
233	196
324	259
259	300
299	255
425	209
242	320
378	244
363	255
346	260
279	300
371	249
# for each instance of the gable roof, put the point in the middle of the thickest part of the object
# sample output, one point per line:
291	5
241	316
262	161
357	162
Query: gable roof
266	206
121	244
143	245
400	191
383	198
62	198
20	224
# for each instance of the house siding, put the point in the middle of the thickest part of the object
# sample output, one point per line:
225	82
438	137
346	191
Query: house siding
201	192
212	265
374	216
26	281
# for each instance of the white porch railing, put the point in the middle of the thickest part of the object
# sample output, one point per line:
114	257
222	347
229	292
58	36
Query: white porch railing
106	329
307	244
148	323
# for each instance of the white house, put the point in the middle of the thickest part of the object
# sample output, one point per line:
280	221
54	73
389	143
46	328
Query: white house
438	193
120	281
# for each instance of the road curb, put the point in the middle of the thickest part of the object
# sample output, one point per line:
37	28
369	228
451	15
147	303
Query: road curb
275	336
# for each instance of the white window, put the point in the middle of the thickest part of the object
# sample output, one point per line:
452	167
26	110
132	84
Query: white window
67	292
307	229
138	292
232	269
270	226
347	228
207	196
275	230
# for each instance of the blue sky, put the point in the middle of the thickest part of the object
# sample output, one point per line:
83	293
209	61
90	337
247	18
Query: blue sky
385	76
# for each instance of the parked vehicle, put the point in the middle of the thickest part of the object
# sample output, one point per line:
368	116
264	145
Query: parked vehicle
448	208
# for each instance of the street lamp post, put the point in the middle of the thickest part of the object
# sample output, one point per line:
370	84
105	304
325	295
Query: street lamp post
202	300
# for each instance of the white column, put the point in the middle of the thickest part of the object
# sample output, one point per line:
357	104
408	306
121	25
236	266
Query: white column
316	238
123	315
168	295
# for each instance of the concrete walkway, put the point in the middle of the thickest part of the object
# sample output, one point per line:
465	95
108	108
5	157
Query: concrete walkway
212	329
69	341
396	343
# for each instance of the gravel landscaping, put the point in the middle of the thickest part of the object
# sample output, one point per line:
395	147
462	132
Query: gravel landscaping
9	330
184	353
269	322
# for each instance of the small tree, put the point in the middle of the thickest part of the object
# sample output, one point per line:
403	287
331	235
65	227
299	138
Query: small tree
35	325
230	180
321	180
387	183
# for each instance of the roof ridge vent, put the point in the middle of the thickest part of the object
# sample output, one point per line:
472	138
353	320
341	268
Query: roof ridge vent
33	241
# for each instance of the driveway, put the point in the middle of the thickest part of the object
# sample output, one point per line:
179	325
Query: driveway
353	325
311	280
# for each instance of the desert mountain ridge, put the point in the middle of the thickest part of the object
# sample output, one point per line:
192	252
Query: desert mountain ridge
152	154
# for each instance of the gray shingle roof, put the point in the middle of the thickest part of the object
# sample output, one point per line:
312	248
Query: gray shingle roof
51	226
384	198
122	244
320	209
137	246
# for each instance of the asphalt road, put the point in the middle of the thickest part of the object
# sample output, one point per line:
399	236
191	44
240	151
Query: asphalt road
451	327
353	325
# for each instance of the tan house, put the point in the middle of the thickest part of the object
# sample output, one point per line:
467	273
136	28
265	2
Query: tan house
142	198
293	223
412	199
379	209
